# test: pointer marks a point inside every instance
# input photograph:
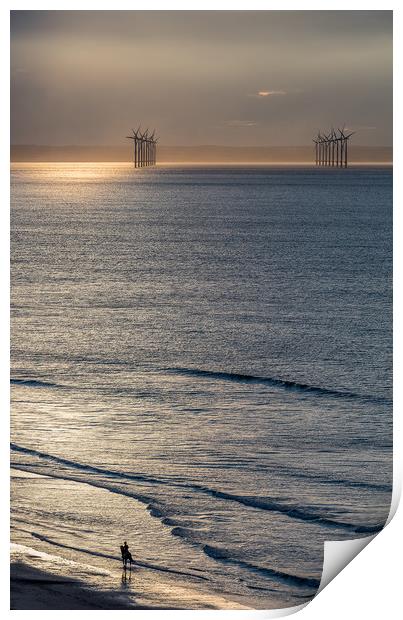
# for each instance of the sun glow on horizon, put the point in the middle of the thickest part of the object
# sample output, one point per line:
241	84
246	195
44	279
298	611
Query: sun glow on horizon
270	93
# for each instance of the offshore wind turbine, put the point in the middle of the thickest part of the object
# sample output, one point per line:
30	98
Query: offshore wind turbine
151	145
319	139
148	144
329	145
321	148
347	139
333	138
330	139
344	141
136	146
144	147
316	150
155	150
341	140
134	138
326	139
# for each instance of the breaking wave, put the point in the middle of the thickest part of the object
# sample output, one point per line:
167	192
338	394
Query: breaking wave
275	382
34	383
295	580
300	513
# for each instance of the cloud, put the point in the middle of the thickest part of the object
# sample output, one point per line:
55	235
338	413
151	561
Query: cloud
238	123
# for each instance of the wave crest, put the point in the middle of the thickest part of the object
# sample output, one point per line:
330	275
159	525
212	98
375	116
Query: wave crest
34	383
274	382
300	513
223	555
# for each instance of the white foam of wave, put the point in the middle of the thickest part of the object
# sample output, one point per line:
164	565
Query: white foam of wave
30	552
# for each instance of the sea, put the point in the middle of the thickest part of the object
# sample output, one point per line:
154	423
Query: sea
201	365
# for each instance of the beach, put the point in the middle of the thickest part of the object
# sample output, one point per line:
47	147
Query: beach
34	588
51	570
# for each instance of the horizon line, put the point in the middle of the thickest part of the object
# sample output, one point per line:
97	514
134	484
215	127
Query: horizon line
192	146
212	163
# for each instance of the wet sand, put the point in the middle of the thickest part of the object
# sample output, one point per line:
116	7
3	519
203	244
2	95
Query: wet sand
55	566
32	588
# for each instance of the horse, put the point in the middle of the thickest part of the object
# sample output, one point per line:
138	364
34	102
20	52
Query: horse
126	556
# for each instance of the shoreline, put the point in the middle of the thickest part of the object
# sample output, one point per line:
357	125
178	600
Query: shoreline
47	574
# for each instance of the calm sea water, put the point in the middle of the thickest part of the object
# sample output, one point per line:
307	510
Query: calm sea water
213	346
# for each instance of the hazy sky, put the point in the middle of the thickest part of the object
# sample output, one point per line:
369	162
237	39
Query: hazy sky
200	77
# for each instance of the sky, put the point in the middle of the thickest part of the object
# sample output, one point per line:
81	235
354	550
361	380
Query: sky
233	78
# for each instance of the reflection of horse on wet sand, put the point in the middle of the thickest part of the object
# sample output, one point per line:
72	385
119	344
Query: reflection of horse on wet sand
126	576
